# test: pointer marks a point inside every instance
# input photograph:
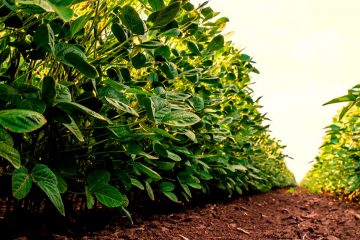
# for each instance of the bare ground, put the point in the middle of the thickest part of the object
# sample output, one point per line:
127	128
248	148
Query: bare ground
275	215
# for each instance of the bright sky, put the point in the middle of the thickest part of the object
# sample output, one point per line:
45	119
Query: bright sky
308	52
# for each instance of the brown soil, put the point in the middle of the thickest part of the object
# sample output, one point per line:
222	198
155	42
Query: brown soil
276	215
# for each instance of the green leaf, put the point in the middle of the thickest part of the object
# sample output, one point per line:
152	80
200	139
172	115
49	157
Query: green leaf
137	183
197	103
119	32
62	93
10	154
79	24
32	104
44	37
8	93
139	61
156	108
149	190
21	183
132	20
152	44
148	171
71	106
163	51
163	133
6	138
43	177
173	156
109	196
97	179
169	69
128	214
165	165
121	107
81	65
156	5
74	129
21	121
167	186
346	98
216	43
171	196
90	200
193	47
48	91
180	118
166	15
62	185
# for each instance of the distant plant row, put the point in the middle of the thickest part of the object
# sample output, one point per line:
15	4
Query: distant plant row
337	168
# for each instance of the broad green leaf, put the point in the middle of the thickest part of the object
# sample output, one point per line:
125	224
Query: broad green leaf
156	108
152	44
121	107
163	51
62	93
165	165
62	11
44	37
174	32
109	196
119	32
79	24
139	92
81	65
210	80
149	190
159	149
74	129
148	171
32	104
156	5
21	183
166	15
48	91
186	189
180	118
169	69
21	121
132	20
164	133
192	183
10	154
97	179
61	183
173	156
346	98
171	196
197	103
44	178
216	43
137	183
193	47
139	60
8	93
166	186
72	106
6	138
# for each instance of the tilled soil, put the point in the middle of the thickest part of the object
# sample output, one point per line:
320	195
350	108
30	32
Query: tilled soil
275	215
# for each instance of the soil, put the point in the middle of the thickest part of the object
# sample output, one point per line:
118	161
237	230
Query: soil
279	214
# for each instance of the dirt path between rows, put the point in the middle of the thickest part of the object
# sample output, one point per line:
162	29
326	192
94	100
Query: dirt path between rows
276	215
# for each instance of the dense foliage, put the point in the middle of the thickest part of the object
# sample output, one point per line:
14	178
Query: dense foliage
336	169
103	99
